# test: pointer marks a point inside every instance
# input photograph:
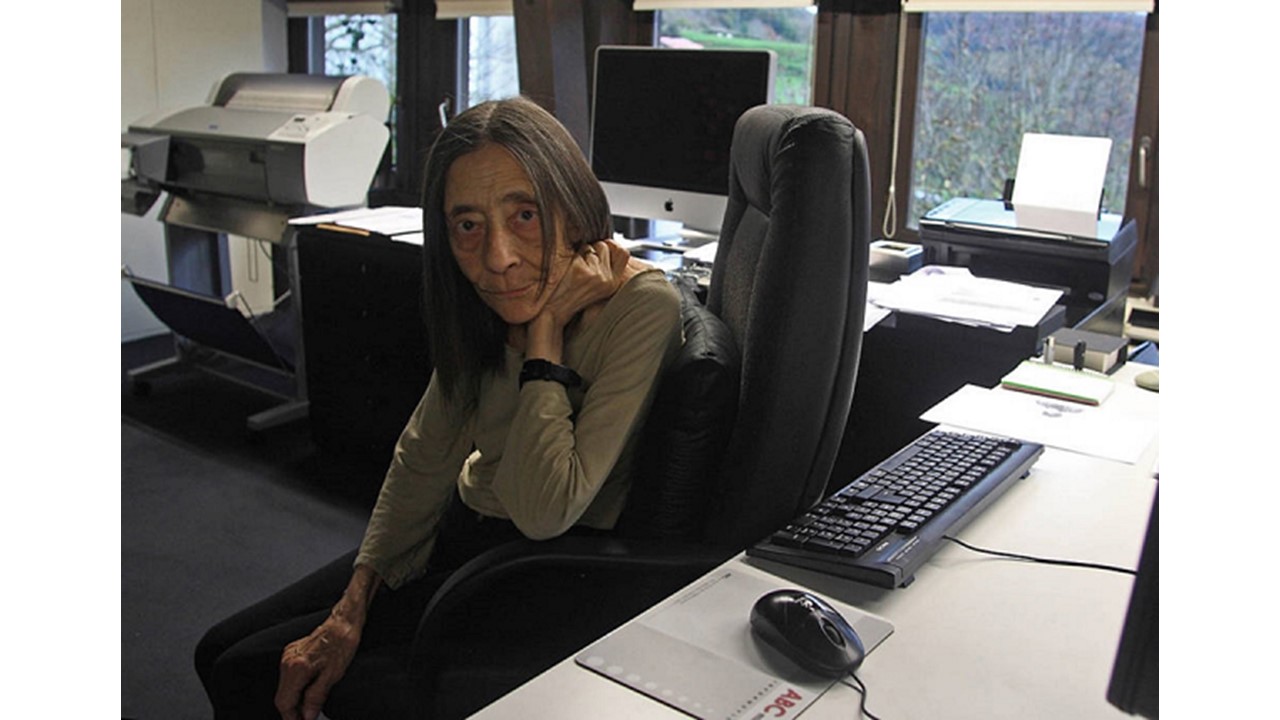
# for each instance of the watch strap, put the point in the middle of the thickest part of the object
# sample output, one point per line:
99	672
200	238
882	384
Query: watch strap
538	369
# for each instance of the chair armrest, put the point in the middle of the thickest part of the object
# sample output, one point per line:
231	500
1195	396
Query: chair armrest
601	582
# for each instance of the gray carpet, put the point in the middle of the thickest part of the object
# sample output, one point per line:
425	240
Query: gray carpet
211	520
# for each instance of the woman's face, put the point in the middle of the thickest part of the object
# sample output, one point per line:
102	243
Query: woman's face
495	232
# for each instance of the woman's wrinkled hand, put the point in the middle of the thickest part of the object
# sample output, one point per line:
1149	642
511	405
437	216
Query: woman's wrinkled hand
594	275
311	666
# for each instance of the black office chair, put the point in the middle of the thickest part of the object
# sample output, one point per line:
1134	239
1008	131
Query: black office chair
731	453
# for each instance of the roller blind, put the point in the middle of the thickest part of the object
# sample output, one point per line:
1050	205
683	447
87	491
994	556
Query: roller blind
342	7
454	9
919	6
692	4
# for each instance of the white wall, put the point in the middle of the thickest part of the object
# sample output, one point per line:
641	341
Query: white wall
171	54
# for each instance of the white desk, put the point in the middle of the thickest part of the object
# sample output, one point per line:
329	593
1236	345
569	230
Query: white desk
975	636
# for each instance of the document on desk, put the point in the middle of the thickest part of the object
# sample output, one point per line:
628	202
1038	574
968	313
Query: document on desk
875	312
393	221
1118	429
955	295
696	653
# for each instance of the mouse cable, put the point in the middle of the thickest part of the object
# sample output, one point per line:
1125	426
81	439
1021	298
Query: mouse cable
1046	561
862	691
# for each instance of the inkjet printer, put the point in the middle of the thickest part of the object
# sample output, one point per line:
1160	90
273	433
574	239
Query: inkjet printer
293	140
1092	268
264	149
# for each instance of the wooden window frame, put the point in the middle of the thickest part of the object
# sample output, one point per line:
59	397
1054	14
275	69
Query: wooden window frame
854	74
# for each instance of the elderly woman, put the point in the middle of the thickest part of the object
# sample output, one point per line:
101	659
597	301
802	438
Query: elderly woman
547	342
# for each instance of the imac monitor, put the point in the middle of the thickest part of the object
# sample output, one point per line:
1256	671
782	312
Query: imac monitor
662	123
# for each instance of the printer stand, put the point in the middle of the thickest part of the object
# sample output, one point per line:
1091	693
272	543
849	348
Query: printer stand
261	351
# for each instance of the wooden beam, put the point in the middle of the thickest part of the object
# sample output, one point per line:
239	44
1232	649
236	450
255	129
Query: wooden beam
551	48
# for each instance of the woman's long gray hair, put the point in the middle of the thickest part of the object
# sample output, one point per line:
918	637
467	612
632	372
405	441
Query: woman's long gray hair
465	335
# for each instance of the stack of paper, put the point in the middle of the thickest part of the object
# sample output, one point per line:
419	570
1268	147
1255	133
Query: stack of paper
955	295
396	222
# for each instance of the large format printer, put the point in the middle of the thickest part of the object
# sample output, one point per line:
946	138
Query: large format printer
1093	269
266	148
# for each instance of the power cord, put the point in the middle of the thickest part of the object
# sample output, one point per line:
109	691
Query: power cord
1046	561
862	691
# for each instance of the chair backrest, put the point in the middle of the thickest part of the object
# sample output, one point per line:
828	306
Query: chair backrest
790	282
687	429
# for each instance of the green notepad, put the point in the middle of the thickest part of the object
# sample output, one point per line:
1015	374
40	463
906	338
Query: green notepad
1063	383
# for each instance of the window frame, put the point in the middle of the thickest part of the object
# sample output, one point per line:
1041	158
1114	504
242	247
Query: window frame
856	51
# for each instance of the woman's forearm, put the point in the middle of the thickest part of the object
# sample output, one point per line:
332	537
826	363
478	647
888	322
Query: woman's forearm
354	604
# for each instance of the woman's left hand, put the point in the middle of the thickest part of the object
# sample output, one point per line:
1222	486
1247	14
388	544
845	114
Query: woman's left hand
594	275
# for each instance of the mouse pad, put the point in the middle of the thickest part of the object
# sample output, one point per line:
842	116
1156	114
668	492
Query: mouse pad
696	653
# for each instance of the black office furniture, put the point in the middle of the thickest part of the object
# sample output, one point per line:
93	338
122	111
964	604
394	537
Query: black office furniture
911	363
790	289
367	357
1094	271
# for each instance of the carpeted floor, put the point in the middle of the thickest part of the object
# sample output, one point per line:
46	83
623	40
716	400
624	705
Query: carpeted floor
214	517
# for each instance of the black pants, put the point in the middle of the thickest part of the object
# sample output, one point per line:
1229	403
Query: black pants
238	660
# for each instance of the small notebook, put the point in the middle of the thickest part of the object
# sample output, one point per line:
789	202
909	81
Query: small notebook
1053	381
696	653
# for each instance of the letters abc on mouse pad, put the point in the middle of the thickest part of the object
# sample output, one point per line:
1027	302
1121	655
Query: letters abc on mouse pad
695	652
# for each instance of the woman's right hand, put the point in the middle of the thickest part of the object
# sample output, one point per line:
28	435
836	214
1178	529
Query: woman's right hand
311	666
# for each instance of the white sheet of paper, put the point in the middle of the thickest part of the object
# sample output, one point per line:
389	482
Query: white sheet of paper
1059	182
1061	171
388	220
954	294
1118	429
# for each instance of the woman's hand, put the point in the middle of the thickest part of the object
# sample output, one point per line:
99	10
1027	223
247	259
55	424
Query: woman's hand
311	666
593	276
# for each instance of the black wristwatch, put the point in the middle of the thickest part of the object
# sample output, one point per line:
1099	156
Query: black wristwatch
539	369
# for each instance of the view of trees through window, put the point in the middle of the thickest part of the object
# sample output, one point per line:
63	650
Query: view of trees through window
491	59
988	78
361	45
364	45
788	32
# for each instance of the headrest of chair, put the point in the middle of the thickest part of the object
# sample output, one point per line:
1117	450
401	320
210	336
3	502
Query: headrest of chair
686	431
763	132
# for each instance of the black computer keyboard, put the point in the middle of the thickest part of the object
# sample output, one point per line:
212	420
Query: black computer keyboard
883	526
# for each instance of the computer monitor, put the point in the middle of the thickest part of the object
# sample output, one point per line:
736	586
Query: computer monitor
1135	677
662	123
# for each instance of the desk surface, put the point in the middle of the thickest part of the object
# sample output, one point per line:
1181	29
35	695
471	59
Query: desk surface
986	637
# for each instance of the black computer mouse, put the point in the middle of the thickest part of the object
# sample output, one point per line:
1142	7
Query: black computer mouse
808	631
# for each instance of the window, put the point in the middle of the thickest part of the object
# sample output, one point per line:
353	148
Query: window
788	32
361	45
988	78
364	45
490	59
358	45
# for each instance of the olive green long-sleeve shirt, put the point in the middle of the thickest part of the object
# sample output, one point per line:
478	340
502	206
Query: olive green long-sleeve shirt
544	456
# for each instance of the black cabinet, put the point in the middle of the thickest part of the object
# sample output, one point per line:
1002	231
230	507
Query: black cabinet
366	352
909	364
